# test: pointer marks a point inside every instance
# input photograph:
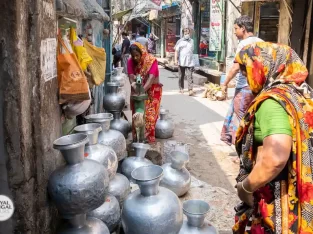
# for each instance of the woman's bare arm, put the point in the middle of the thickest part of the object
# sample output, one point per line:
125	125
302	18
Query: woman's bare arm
149	82
271	161
132	78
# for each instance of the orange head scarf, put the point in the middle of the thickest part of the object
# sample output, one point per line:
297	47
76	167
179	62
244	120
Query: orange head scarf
266	62
146	60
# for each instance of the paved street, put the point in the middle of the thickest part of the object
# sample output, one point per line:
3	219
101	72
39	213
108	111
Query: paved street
198	122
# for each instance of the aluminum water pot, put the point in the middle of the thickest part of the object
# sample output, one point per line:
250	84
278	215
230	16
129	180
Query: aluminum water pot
79	186
164	128
103	154
107	136
119	187
120	124
176	177
79	224
118	76
113	101
195	210
151	209
121	78
131	163
109	213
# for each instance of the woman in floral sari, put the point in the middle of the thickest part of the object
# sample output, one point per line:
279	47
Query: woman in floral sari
274	142
146	65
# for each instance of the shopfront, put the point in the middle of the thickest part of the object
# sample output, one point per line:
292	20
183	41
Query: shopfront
170	29
210	41
266	18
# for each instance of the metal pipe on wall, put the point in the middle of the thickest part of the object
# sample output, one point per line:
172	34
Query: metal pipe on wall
107	45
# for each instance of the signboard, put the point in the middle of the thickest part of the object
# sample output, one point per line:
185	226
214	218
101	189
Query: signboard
48	50
216	25
170	43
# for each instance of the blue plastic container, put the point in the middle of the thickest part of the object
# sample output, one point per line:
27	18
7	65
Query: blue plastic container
223	78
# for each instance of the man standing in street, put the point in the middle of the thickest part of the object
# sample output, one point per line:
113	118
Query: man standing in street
243	95
133	38
142	39
184	59
125	50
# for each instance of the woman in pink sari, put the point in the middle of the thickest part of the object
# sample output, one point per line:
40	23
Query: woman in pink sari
146	65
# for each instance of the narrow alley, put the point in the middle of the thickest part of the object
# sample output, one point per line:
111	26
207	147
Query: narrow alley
99	136
198	122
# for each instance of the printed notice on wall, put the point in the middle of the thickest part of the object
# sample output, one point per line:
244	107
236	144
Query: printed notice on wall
48	62
216	25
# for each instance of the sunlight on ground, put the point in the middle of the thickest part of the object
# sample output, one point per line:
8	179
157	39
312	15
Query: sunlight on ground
211	132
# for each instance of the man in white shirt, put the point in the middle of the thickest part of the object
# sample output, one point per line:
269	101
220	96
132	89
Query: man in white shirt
142	39
244	32
243	96
184	58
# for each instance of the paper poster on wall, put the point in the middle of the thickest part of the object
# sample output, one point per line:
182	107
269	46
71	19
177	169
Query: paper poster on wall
216	25
48	50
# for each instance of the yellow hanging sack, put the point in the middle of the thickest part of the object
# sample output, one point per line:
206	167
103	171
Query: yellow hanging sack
83	57
98	65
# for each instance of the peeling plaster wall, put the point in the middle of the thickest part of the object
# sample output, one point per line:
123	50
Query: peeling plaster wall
31	114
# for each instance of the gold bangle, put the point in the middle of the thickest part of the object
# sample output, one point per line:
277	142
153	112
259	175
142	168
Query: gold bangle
245	189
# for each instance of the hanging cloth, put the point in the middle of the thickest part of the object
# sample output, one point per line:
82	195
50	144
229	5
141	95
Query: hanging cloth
98	65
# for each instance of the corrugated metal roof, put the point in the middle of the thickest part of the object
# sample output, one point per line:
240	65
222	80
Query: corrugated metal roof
85	9
95	11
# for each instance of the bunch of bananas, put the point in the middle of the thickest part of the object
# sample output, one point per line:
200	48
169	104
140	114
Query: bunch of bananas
214	92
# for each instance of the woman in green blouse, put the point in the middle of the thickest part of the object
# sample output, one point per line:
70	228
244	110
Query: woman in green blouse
274	143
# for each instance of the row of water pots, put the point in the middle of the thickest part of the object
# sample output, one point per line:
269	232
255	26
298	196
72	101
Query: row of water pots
89	194
114	102
154	209
88	191
175	175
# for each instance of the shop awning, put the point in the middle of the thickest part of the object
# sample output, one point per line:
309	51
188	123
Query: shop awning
120	14
141	15
85	9
95	11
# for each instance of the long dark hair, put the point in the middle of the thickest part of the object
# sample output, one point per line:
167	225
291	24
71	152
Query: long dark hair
135	48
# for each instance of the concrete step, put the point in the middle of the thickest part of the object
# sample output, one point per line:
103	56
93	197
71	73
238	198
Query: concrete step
199	79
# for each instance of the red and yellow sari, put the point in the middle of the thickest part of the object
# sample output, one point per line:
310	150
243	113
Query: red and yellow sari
281	206
148	66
